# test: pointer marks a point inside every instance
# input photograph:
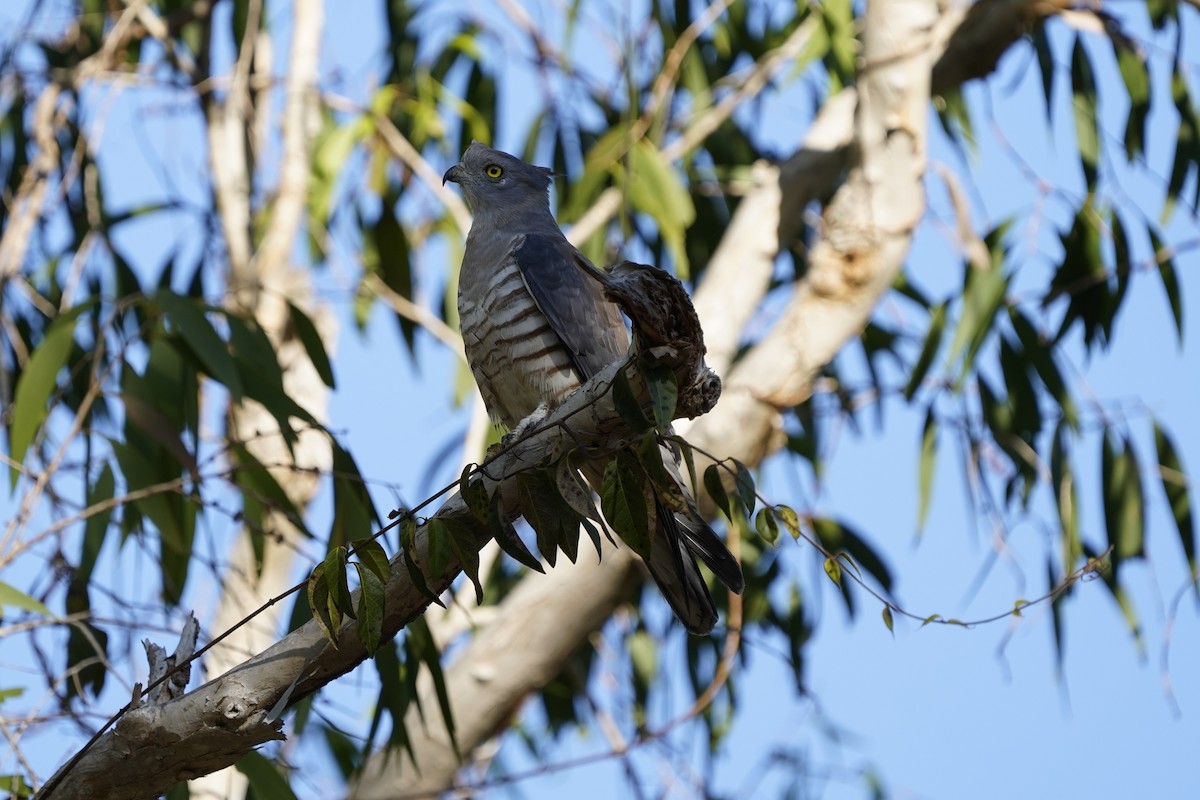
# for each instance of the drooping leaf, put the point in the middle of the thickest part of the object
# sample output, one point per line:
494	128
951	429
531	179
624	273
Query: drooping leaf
370	607
746	491
660	384
426	649
30	402
790	520
623	501
313	345
1063	479
654	189
929	351
408	543
473	492
1131	61
1175	486
716	490
1084	103
264	777
1170	280
627	404
462	544
1123	507
336	581
370	552
189	321
1038	351
765	524
506	536
319	603
925	467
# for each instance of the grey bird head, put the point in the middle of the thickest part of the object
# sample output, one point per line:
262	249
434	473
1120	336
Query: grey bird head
493	180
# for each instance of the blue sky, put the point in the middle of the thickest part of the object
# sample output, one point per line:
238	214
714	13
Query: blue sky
937	712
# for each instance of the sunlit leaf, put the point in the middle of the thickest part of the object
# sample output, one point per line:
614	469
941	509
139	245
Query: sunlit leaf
37	381
1083	94
1175	486
926	466
12	597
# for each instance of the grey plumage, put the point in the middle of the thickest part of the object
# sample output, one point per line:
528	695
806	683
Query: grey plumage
535	326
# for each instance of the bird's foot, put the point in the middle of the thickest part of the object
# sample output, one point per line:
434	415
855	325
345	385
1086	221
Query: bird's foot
529	423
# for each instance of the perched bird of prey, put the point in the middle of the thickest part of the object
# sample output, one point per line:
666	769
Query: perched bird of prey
536	326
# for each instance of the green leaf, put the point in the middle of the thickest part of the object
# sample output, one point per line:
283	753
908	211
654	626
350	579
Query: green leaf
96	528
929	350
1083	93
1175	486
336	581
506	536
313	346
1167	273
836	537
1063	480
318	601
716	489
887	619
926	466
370	552
30	402
189	321
264	777
427	651
555	523
790	520
627	405
744	482
474	493
834	570
983	295
767	527
408	543
1131	61
1045	57
1123	508
623	501
655	189
12	597
15	785
370	607
664	394
438	552
462	544
1038	351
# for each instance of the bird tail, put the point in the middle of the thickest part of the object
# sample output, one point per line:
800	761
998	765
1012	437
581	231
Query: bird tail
674	547
674	569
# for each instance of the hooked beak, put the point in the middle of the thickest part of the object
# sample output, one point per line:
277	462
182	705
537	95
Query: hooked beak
452	174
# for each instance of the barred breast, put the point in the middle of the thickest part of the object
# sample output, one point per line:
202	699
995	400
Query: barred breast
517	358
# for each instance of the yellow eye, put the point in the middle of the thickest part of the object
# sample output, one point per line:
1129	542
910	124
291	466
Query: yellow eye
493	171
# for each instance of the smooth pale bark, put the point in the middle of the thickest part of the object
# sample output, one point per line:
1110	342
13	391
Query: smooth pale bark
263	283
